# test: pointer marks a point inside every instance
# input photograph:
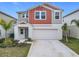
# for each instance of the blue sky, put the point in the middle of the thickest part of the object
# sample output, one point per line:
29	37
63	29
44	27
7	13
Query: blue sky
12	7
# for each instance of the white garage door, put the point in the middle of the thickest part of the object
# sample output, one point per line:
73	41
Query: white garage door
45	34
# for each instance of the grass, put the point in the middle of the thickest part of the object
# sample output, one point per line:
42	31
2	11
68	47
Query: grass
73	44
14	51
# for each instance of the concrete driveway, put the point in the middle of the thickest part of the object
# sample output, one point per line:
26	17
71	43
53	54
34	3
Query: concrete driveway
50	48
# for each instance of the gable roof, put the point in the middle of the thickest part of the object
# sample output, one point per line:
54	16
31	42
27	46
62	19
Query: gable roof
51	6
7	15
71	13
44	4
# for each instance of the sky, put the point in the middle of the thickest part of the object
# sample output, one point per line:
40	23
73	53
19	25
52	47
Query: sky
12	7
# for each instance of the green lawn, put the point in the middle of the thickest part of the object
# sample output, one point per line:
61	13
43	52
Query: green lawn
73	44
14	51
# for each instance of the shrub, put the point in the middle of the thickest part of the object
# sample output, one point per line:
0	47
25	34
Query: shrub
2	45
21	45
1	40
8	42
29	39
12	35
15	43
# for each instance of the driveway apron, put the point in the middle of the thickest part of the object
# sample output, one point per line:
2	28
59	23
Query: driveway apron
50	48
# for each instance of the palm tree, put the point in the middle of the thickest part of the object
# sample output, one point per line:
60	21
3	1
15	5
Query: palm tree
76	22
6	26
65	30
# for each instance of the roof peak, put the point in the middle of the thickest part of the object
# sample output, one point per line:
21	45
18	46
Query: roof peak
51	6
45	4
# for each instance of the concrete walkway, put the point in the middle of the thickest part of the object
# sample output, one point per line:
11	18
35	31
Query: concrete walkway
50	48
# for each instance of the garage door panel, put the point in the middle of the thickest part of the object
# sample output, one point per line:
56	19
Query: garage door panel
45	34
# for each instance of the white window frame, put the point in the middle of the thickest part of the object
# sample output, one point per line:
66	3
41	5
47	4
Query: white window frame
24	14
59	14
40	15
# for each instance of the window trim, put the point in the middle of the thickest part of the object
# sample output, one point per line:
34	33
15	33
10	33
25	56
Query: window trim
35	15
40	15
55	15
24	14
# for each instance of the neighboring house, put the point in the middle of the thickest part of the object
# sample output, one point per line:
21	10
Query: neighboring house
73	29
7	18
41	22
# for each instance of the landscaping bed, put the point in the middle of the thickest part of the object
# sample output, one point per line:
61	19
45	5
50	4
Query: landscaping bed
73	44
11	48
15	51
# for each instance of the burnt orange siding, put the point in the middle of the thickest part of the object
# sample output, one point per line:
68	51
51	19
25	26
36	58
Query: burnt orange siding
40	8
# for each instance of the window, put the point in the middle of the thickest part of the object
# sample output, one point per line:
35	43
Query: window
56	15
21	31
37	15
24	16
40	15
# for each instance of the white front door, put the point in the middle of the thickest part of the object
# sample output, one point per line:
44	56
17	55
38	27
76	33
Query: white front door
22	33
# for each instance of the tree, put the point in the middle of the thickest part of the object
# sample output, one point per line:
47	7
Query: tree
65	30
76	22
6	26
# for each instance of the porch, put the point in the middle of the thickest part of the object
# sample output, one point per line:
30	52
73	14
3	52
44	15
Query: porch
22	31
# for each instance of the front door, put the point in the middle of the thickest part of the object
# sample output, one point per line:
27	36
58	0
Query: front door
22	33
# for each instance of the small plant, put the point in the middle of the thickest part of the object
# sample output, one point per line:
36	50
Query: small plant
21	45
29	39
15	43
8	42
1	40
12	35
2	45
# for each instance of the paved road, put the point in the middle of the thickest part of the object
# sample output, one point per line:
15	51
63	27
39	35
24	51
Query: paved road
50	48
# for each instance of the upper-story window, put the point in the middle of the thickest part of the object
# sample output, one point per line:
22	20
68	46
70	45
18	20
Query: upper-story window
37	15
24	15
27	14
57	15
40	15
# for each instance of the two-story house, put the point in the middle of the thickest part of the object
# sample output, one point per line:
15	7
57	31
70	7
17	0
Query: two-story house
42	22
